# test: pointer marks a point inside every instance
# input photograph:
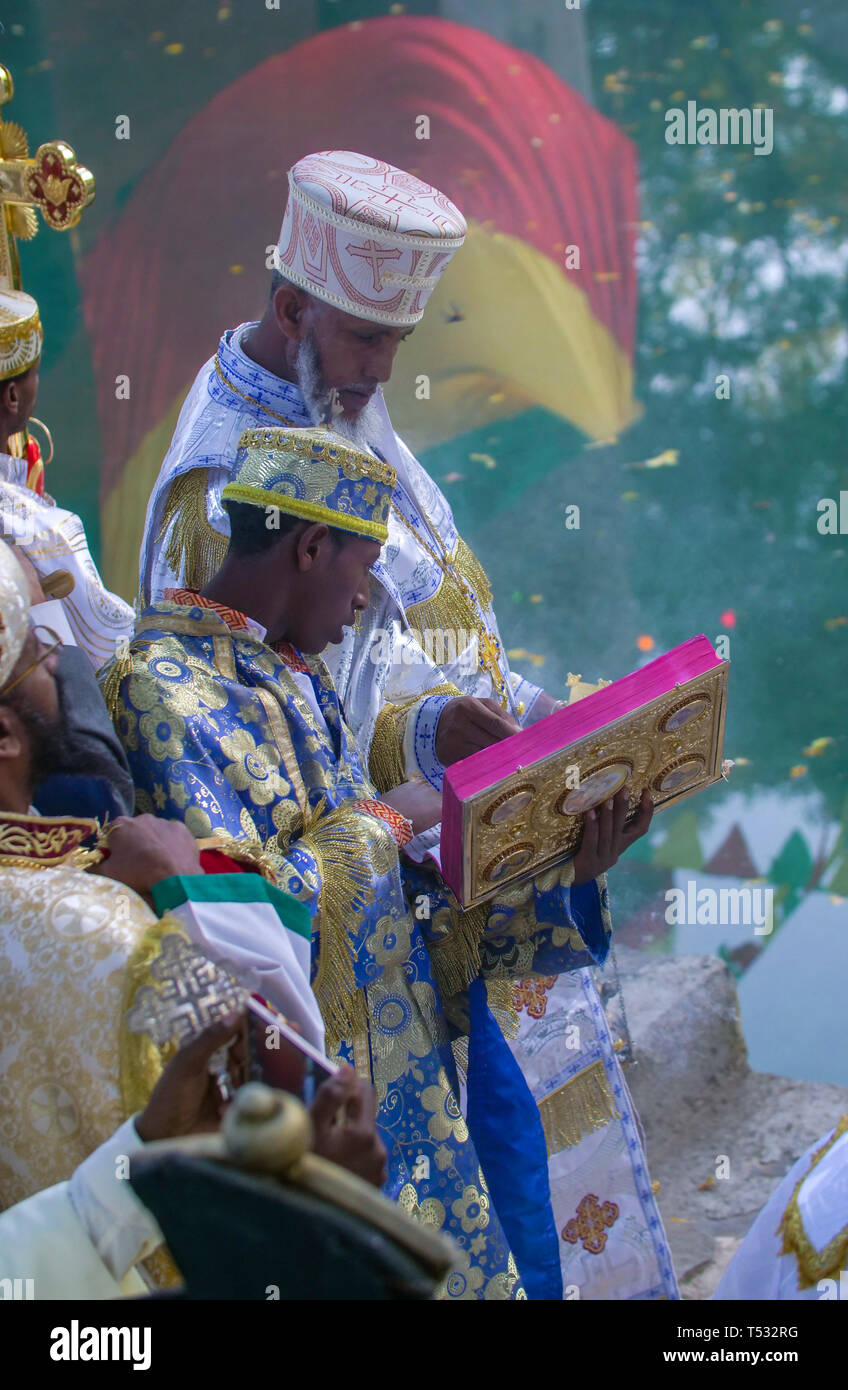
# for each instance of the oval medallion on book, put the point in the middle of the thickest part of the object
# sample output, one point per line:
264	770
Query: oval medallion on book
504	807
684	713
511	861
596	787
679	774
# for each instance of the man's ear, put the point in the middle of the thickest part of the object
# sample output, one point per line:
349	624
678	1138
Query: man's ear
9	400
289	308
310	543
11	742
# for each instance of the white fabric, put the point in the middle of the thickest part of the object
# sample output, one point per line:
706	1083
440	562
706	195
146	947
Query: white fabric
823	1199
758	1270
255	629
366	237
425	845
122	1230
250	941
14	612
568	1034
81	1239
207	433
51	614
43	1240
54	539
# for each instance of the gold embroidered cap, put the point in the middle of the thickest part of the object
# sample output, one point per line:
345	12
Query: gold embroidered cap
316	475
14	612
21	337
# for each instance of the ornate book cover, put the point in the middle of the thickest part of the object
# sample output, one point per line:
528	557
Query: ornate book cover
517	807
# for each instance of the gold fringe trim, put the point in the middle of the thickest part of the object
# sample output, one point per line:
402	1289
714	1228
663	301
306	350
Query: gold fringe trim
141	1060
466	562
449	610
141	1065
813	1264
244	852
194	547
580	1107
338	841
386	762
386	766
118	670
455	957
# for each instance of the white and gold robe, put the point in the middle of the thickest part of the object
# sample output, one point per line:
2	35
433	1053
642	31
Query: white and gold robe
54	539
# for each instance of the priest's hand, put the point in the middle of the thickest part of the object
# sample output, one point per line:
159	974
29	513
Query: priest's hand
187	1098
417	801
142	850
605	836
467	724
344	1119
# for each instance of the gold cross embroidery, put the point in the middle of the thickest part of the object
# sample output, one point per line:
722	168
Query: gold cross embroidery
532	994
588	1226
51	181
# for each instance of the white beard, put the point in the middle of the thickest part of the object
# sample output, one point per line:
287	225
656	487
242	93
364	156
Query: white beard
322	404
361	429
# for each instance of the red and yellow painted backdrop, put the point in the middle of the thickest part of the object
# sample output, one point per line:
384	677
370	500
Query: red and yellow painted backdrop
538	309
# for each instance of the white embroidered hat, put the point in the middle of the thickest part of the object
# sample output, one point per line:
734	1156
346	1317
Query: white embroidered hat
14	612
366	237
21	338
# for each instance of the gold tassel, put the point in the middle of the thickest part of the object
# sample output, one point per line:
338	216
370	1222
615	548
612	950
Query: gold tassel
455	957
113	677
244	852
386	765
161	1269
580	1107
465	562
339	843
194	547
449	610
141	1060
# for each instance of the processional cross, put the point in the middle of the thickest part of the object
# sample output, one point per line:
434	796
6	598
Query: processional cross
51	180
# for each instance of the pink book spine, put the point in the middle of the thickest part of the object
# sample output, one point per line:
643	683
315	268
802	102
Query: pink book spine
482	770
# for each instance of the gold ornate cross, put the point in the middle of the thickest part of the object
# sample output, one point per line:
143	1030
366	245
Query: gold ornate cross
589	1225
51	181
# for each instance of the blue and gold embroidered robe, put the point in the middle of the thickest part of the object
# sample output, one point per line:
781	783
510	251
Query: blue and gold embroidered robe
219	734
